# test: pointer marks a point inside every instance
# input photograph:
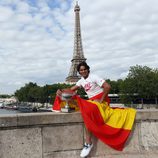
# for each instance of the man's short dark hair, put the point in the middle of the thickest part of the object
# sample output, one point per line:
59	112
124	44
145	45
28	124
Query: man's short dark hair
83	64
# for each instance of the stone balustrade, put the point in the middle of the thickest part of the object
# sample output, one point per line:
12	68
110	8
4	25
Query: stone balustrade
61	135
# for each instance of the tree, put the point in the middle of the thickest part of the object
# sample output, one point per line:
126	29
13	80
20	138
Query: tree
115	86
140	81
23	93
155	85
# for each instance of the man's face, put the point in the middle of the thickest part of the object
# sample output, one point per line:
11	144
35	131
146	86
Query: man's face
83	72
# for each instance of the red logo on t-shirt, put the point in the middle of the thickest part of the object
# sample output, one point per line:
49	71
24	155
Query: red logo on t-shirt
87	86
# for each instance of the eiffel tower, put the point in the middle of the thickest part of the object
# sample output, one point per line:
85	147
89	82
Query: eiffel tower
78	55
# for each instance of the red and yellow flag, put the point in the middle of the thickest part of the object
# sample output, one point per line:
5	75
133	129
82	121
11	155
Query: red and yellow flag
111	125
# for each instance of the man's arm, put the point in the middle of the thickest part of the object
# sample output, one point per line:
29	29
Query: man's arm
73	88
106	88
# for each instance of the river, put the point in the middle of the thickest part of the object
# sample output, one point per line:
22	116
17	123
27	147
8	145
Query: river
5	111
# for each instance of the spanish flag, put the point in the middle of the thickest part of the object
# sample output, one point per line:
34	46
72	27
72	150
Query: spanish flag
111	125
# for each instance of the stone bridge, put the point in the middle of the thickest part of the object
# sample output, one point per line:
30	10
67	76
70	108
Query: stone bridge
61	135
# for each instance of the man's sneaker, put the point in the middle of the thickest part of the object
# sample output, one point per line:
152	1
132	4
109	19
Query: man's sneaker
86	150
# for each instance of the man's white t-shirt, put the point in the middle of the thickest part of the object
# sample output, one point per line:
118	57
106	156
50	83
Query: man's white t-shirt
92	85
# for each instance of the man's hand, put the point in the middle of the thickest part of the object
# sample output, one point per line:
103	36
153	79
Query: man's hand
59	92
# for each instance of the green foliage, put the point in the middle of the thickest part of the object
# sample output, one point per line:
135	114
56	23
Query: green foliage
31	92
115	86
5	96
141	82
25	94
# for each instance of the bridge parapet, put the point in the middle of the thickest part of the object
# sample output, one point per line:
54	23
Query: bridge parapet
57	135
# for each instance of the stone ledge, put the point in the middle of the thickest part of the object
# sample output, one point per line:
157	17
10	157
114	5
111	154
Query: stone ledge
57	135
45	118
147	114
8	121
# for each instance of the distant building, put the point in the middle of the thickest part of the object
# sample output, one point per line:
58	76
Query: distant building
10	100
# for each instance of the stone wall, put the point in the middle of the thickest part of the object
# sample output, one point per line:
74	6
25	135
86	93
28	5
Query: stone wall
61	135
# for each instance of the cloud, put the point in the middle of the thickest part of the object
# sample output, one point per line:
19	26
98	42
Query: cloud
36	39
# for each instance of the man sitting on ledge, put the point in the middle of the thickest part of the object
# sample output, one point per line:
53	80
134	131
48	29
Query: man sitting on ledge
111	125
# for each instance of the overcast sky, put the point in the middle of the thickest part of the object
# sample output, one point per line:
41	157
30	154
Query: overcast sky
36	39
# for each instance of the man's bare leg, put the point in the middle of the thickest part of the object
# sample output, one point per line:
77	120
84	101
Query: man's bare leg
88	136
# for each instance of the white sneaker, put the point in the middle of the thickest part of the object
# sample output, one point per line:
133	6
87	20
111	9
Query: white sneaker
86	150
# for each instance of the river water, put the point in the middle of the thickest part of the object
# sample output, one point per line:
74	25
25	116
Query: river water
5	111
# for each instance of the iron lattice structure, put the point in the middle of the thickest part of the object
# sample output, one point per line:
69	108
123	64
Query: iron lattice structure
78	55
